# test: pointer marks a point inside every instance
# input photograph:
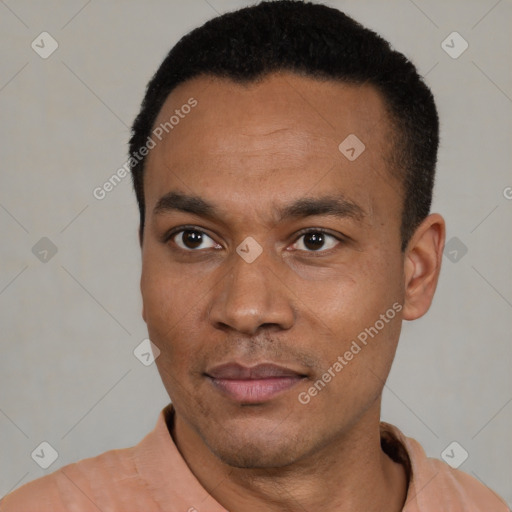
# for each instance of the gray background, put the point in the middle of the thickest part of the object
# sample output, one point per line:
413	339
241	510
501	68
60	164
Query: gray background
69	325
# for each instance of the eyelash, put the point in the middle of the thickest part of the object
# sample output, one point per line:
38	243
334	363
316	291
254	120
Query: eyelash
171	234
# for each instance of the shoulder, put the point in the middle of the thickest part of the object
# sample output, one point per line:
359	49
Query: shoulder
105	482
437	484
434	485
147	477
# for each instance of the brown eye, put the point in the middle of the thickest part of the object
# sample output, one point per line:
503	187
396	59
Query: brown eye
190	239
315	241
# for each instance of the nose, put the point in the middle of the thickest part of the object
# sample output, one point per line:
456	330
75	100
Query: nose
252	296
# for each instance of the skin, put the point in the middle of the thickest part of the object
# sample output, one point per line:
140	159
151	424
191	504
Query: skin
249	150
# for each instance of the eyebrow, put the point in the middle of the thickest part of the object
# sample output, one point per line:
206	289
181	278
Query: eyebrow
333	205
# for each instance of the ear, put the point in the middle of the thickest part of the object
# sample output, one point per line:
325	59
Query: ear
422	264
142	296
144	314
140	281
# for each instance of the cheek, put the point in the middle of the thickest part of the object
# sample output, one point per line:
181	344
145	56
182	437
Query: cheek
174	309
352	296
358	309
167	292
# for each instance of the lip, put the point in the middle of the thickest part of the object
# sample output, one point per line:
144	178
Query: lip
253	384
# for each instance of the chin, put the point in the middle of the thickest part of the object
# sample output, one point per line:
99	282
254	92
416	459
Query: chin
254	456
256	450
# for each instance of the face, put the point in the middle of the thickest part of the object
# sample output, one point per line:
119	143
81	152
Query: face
272	277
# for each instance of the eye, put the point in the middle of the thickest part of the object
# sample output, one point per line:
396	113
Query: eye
315	241
191	239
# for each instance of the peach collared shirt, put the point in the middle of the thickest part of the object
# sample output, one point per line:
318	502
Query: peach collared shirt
153	477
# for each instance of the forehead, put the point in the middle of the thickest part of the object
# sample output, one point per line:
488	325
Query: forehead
316	109
282	132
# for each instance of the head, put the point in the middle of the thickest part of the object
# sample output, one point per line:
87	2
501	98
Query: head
284	219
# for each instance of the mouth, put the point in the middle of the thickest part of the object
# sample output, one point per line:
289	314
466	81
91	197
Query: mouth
253	384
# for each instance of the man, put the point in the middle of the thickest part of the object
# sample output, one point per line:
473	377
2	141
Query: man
283	162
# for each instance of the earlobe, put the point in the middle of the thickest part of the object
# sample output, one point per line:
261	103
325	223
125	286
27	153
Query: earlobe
422	265
142	295
141	277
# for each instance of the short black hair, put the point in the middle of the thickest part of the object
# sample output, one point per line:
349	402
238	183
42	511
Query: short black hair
317	41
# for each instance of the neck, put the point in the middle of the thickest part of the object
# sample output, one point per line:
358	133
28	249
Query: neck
350	474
